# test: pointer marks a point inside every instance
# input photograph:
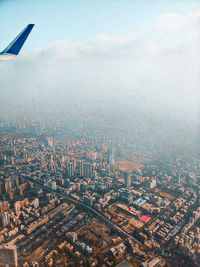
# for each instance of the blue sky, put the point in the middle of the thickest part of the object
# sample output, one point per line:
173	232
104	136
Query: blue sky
81	20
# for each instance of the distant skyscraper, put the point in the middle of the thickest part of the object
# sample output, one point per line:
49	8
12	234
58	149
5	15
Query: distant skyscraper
80	167
8	256
87	170
70	169
112	158
127	179
50	141
74	163
35	129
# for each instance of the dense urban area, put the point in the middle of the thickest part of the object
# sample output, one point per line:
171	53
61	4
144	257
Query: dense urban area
96	193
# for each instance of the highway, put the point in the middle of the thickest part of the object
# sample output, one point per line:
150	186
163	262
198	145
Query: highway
88	208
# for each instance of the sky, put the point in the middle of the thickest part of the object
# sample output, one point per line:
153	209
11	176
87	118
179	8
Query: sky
81	20
115	50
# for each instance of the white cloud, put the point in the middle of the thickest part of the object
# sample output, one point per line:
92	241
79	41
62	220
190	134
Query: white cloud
160	62
170	23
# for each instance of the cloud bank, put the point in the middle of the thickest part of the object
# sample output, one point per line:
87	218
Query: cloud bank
159	65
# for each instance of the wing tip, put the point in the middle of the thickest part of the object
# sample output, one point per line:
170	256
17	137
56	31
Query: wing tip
31	25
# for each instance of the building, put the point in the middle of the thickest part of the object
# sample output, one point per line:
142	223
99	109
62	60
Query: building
52	185
50	141
73	236
88	200
35	129
8	256
84	187
17	207
112	158
124	264
5	219
70	169
80	167
36	203
153	183
127	179
127	197
152	263
87	170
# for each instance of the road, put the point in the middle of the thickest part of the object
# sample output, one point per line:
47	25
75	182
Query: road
88	208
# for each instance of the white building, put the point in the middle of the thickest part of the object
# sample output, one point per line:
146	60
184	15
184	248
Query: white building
36	203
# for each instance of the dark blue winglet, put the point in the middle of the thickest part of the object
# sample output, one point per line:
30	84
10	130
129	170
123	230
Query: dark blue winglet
15	46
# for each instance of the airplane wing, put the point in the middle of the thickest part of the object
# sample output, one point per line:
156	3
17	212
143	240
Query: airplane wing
15	46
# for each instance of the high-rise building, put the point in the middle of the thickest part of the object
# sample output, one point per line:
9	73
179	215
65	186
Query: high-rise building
50	141
63	160
74	163
17	207
4	206
5	218
70	169
112	158
35	129
127	179
1	208
8	185
52	163
8	256
80	167
87	170
1	188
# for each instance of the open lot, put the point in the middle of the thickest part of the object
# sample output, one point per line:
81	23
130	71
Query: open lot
127	165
